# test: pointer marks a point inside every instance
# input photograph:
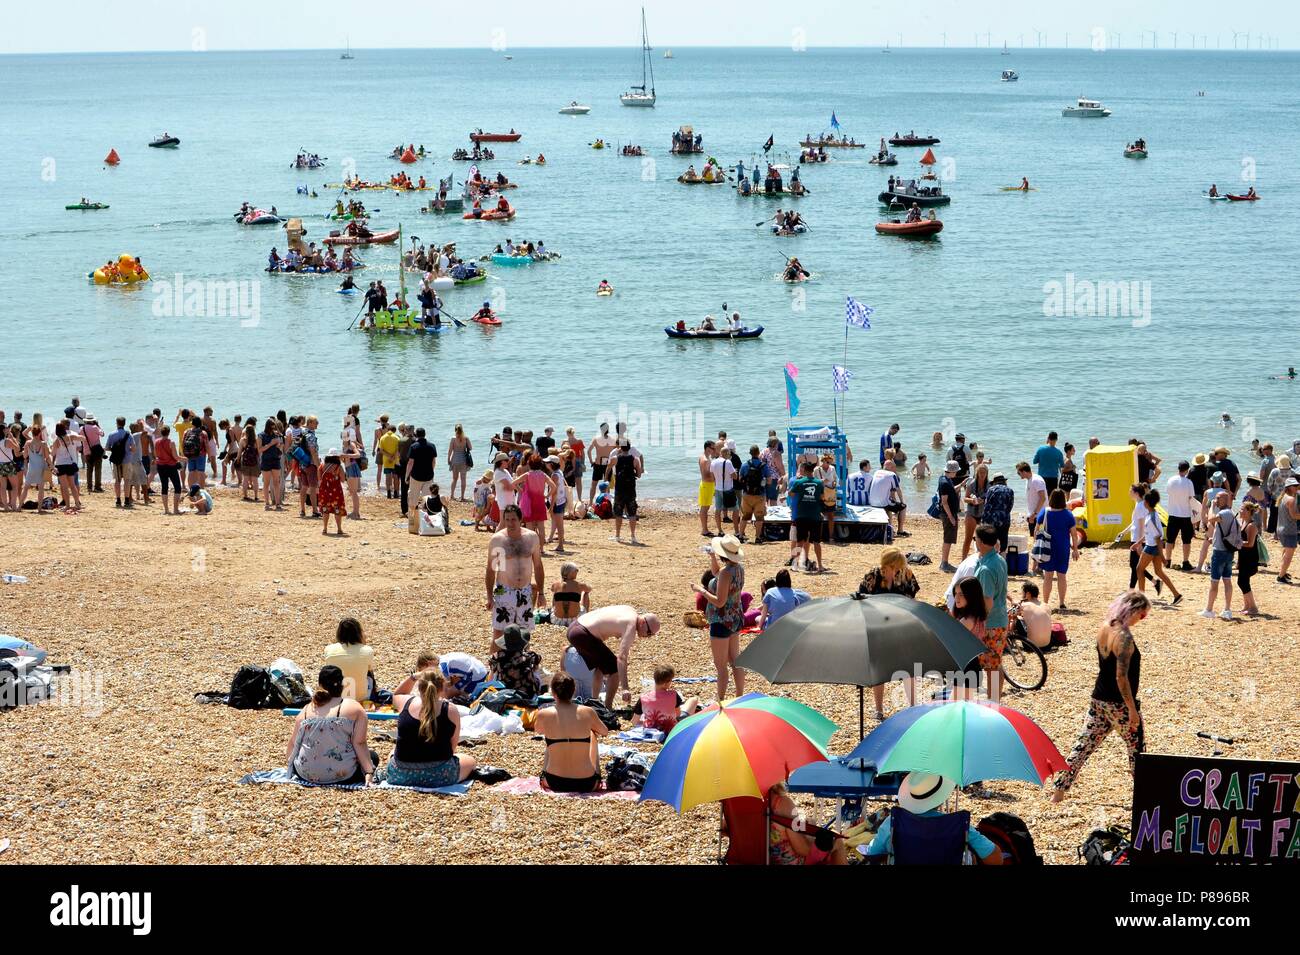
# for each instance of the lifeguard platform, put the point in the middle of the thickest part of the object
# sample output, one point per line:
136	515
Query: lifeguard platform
853	523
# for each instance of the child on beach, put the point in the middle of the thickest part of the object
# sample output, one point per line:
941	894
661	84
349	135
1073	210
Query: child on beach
664	706
483	503
331	491
603	505
921	469
426	661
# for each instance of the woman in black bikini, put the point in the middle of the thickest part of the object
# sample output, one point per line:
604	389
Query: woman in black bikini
572	761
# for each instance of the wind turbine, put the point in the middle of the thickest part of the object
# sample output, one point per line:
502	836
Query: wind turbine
1022	41
1175	36
945	40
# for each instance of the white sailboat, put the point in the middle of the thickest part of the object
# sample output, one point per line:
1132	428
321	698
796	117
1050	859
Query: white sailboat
668	54
643	95
347	53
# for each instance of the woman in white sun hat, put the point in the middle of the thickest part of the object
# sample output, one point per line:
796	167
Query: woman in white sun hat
724	611
922	794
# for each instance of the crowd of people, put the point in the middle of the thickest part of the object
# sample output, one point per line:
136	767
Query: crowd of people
538	480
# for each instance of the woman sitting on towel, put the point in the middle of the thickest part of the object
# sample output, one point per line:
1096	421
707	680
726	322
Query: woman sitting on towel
329	737
572	761
428	729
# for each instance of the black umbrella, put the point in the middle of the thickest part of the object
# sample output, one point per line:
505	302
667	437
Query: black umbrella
860	641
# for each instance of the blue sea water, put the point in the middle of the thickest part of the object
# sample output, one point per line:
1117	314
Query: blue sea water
959	338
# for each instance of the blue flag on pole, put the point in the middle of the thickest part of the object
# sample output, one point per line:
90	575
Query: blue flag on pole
835	123
791	390
857	315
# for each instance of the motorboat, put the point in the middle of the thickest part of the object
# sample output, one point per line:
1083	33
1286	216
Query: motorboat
1010	76
1086	109
575	109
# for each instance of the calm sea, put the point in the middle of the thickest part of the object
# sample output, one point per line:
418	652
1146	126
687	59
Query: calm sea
959	338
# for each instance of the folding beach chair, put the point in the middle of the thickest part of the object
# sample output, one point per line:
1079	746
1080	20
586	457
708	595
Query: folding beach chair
928	840
745	823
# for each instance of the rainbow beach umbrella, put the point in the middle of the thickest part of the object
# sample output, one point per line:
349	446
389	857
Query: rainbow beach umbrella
962	740
737	749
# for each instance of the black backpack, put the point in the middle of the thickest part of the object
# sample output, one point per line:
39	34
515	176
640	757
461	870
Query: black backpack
754	477
624	776
193	443
117	453
1106	847
1010	834
604	713
252	689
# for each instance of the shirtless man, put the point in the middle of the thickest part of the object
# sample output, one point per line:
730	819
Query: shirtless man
598	454
1033	617
515	578
589	636
706	486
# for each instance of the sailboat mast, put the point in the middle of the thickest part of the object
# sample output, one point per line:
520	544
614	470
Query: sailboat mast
645	55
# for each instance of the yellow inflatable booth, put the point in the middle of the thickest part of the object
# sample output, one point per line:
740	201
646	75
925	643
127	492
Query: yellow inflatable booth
127	270
1110	470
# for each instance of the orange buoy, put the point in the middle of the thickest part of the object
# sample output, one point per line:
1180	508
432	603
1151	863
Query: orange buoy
409	156
112	159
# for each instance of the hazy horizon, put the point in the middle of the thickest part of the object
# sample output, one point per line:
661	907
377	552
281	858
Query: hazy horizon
156	26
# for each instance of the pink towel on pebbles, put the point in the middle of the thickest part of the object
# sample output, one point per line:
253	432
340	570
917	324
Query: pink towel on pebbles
527	785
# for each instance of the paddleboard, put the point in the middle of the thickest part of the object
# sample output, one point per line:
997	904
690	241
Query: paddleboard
605	292
1017	189
345	291
1206	195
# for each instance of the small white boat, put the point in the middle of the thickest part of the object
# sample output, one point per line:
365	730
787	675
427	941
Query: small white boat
1010	76
668	54
575	109
1086	109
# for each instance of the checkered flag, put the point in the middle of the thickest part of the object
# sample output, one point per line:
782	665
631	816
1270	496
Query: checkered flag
840	377
857	315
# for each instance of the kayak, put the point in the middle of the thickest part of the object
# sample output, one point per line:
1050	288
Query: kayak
492	214
165	142
1206	195
1135	154
796	280
926	227
495	137
688	333
1017	189
88	205
501	258
700	181
491	321
377	238
1233	198
604	292
914	141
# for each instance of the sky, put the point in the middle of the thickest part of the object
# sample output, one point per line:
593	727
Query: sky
69	26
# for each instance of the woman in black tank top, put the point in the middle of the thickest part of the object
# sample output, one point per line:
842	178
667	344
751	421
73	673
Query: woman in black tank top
1114	704
428	729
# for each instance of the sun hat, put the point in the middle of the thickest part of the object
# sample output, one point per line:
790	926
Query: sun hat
513	639
1218	477
500	456
922	792
1222	450
952	466
728	548
1200	459
1291	482
1252	476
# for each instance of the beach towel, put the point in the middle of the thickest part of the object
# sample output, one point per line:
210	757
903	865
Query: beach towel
697	679
370	714
639	734
283	776
529	785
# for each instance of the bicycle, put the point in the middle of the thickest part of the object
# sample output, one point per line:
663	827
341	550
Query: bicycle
1023	665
